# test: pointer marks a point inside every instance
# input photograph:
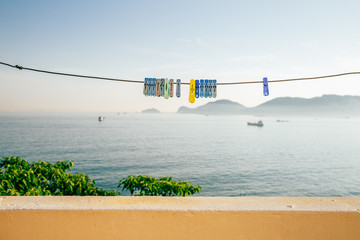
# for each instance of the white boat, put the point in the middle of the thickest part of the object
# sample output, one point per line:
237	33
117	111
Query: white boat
258	124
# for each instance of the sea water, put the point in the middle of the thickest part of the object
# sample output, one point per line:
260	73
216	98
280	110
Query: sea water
300	157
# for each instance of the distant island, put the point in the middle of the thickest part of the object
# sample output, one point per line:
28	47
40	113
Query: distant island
326	105
220	107
151	110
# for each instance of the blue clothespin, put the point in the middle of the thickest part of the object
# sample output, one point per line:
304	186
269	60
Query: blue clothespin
197	88
206	88
202	90
215	89
145	86
151	86
162	85
210	88
178	88
153	90
148	89
266	86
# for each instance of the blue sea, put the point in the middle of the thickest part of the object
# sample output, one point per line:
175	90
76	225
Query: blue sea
300	157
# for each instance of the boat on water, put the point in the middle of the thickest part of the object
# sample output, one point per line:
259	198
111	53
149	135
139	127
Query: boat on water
258	124
101	118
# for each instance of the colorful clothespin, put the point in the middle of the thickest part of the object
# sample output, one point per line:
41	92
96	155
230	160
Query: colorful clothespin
197	88
157	89
210	88
206	88
215	88
166	88
154	87
149	87
192	91
178	88
266	86
171	88
162	87
202	90
145	86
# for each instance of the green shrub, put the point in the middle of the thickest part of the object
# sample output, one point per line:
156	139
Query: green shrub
20	178
143	185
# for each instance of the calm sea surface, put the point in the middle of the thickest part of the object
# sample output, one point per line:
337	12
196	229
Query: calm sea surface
302	157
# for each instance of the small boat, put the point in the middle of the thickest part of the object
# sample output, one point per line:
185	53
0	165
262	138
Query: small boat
101	118
258	124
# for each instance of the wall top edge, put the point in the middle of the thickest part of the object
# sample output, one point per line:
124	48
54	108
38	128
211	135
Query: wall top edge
318	204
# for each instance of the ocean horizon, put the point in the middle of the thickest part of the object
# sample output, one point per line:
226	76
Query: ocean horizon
304	156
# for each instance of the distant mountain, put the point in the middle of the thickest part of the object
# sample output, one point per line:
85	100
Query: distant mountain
151	110
220	107
326	105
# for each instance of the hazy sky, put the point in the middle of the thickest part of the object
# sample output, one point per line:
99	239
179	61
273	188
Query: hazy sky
223	40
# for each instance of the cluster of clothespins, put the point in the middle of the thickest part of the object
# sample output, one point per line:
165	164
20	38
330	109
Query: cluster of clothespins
202	88
163	87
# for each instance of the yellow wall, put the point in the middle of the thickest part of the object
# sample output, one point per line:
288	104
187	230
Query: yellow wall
53	224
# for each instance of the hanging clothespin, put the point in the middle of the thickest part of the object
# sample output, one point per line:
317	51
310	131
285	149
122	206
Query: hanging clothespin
148	90
266	86
171	88
210	88
166	88
192	91
153	87
178	88
202	88
197	85
162	87
206	88
157	90
145	86
215	88
150	86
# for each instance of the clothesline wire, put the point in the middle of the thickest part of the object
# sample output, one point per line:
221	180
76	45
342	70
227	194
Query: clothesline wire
139	81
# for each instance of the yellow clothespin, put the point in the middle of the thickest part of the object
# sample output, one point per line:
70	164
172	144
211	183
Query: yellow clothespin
192	91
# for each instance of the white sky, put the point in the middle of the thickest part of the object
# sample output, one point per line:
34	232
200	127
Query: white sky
223	40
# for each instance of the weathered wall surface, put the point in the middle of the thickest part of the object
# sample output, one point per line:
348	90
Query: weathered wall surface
178	218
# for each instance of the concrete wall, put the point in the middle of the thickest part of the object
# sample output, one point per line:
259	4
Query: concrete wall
178	218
